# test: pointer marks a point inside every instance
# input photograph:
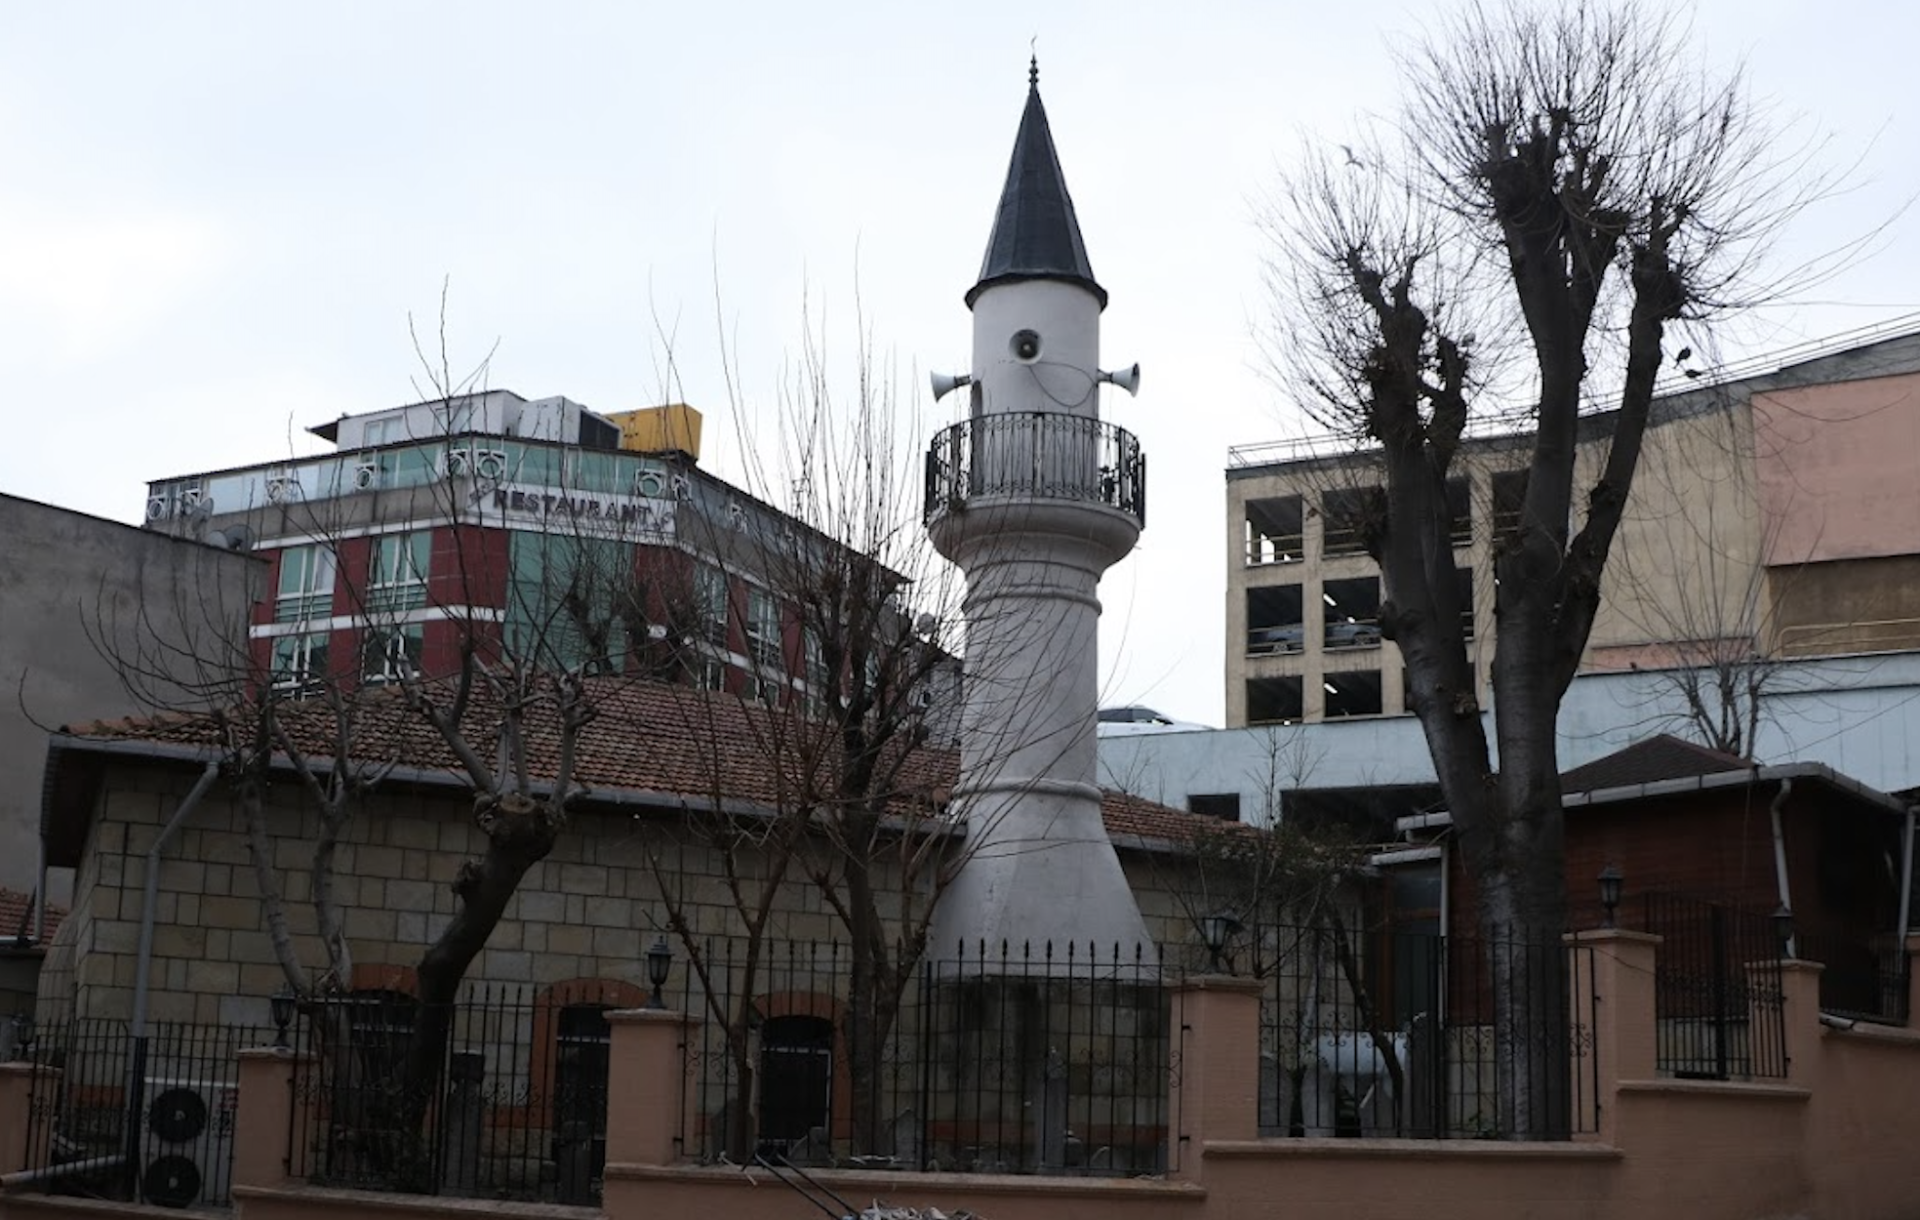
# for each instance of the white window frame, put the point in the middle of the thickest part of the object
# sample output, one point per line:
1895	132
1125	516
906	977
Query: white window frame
299	676
394	580
312	596
398	659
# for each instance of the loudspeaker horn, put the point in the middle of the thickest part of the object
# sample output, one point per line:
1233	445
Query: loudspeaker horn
1127	379
946	383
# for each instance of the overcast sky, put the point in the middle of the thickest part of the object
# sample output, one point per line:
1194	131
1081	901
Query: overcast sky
215	219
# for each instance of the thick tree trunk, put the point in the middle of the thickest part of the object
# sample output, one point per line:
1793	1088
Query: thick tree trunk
520	832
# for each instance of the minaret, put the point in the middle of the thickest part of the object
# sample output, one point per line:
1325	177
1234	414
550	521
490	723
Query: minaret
1033	497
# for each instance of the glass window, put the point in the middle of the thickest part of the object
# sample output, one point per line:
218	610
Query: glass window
763	627
398	576
1222	805
710	597
306	584
390	655
569	598
299	661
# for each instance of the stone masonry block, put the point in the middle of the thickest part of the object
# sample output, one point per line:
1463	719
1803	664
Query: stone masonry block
252	948
219	978
412	832
97	969
364	923
609	912
588	879
507	966
225	911
179	940
260	978
380	862
410	927
570	939
115	936
183	876
549	968
542	906
410	895
220	880
621	944
228	849
176	1006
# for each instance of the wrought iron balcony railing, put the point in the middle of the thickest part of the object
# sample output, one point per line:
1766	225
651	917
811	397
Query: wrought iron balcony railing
1040	454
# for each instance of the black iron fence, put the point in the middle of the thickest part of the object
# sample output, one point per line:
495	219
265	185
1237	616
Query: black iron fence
1044	454
1006	1058
500	1096
146	1119
1865	979
1717	992
1394	1033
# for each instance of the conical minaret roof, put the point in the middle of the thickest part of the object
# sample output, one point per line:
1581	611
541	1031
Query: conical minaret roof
1035	233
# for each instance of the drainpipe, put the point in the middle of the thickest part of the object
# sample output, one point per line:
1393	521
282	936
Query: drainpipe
1780	856
136	1087
143	963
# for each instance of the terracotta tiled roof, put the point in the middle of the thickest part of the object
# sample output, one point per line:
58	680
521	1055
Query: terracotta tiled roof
1648	762
17	915
645	737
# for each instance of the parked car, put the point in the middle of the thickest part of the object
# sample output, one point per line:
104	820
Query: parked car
1264	641
1353	635
1125	721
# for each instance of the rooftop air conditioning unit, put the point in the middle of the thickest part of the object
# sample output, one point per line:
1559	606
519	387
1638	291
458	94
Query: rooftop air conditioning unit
281	487
186	1141
157	508
365	475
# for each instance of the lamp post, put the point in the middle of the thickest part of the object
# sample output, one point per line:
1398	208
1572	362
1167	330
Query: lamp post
1783	930
1218	928
281	1006
659	963
1611	883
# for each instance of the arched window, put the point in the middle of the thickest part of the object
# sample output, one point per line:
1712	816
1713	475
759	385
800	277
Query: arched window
796	1080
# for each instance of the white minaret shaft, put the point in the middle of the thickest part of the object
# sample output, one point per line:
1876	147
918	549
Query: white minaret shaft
1033	497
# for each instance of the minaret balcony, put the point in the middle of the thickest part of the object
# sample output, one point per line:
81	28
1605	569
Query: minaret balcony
1042	456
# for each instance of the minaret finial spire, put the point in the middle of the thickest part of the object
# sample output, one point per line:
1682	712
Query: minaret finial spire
1033	65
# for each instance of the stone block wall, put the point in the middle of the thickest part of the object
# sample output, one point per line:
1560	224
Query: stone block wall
588	911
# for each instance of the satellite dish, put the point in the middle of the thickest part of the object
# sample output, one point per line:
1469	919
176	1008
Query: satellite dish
234	538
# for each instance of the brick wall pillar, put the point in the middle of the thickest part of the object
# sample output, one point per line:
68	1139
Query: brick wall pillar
1800	1013
648	1092
17	1087
1613	993
270	1118
1215	1090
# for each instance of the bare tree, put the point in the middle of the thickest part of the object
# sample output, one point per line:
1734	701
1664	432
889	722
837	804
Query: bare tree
848	622
1562	188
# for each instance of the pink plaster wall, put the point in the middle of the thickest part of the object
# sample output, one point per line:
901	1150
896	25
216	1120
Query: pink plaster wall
1835	466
